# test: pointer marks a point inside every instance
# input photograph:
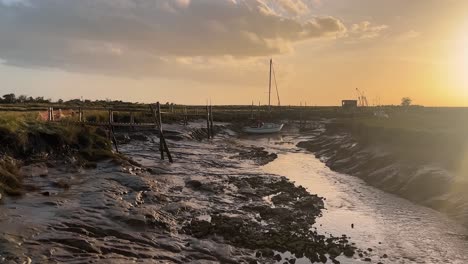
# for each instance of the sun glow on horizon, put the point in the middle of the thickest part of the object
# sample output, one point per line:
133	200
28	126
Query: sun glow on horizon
462	62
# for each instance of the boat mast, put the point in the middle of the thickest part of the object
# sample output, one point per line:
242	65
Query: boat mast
269	89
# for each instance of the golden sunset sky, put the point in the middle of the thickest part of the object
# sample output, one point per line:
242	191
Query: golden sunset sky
188	51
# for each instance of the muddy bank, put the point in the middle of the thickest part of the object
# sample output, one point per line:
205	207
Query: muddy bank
414	167
23	144
212	206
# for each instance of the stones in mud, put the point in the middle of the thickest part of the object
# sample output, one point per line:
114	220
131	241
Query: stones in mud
122	138
288	225
194	184
138	137
203	186
278	257
61	184
34	170
200	228
259	155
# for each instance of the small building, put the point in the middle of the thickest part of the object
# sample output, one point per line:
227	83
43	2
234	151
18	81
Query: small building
349	104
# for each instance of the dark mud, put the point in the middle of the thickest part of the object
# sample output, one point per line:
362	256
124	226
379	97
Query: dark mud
211	206
424	181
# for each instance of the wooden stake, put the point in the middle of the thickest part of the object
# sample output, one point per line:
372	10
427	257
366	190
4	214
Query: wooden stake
52	117
80	114
112	132
208	122
162	141
132	120
211	122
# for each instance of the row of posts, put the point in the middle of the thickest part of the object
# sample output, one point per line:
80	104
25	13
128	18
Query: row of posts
209	122
51	115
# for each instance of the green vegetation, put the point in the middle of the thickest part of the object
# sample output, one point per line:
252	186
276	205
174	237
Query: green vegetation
10	181
22	137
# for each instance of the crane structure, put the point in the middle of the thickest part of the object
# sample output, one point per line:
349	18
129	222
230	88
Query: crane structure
362	99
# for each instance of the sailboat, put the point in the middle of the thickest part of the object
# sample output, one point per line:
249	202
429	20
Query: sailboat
261	127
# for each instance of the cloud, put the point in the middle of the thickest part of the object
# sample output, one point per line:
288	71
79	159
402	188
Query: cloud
137	37
296	7
366	30
14	2
408	35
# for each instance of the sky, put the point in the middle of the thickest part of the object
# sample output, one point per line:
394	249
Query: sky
191	51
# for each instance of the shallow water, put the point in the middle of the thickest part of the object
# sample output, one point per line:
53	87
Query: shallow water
406	232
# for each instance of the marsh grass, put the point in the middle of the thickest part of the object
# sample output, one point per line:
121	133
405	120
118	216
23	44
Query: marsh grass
22	135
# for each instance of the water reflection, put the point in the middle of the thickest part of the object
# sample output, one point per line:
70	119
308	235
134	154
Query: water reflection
387	224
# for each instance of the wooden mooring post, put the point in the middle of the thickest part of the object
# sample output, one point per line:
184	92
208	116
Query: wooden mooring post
211	122
208	130
80	115
185	117
111	130
51	114
132	120
162	141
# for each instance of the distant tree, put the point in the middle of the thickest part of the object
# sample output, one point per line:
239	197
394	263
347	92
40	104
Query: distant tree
22	99
39	99
60	101
406	101
9	98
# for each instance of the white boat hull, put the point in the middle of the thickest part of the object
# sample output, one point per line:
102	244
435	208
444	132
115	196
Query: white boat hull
265	129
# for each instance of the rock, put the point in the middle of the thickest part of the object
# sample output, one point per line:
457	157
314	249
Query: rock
385	256
34	170
45	193
292	261
122	138
194	184
268	253
61	184
368	259
323	259
277	257
334	252
138	137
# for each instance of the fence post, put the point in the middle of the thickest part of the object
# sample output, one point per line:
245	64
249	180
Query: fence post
211	122
159	122
132	120
80	114
208	131
162	141
112	132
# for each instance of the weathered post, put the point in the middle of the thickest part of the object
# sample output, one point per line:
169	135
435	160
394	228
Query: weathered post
132	120
52	117
211	122
80	114
208	122
252	111
158	120
112	132
162	141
